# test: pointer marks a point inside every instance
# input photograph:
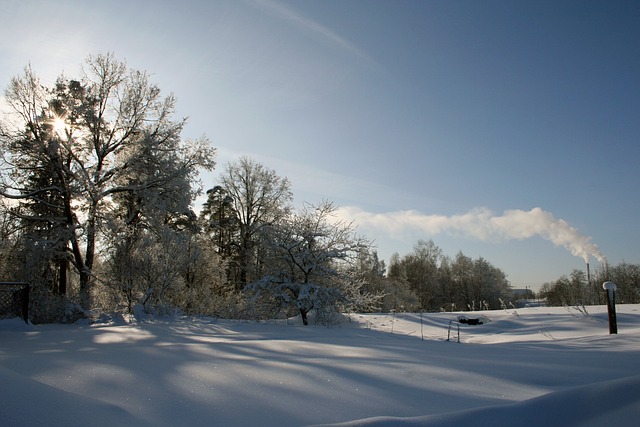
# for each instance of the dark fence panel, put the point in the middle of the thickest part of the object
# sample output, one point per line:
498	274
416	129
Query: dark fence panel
14	300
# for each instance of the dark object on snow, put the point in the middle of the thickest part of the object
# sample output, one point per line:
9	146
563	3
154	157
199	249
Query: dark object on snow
470	320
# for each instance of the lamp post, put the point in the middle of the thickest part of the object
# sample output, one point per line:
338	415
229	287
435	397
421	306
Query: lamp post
611	287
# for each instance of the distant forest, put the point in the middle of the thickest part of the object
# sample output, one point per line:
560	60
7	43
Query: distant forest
97	216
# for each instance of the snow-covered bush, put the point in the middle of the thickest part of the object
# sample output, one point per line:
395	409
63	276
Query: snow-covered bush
326	302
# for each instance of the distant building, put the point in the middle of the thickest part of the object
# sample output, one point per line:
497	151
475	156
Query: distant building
523	293
527	298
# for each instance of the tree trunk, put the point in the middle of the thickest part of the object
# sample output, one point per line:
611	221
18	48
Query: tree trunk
85	274
63	265
303	314
85	289
245	257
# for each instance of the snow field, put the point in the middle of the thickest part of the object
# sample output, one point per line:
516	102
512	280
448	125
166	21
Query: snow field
529	366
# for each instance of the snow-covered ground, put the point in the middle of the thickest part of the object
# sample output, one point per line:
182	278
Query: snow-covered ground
525	367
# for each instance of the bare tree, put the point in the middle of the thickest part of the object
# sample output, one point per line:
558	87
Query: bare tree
259	198
421	270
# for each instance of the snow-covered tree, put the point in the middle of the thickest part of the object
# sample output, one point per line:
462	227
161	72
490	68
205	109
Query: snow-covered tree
369	271
80	153
310	264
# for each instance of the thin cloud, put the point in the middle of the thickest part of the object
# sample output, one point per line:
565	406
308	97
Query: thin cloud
309	26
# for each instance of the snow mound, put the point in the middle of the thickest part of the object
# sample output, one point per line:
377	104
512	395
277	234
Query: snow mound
615	403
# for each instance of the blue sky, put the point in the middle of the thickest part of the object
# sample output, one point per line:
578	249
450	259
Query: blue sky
408	114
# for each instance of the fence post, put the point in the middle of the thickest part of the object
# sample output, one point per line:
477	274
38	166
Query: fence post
610	288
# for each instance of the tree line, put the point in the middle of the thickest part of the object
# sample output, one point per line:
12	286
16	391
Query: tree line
96	213
579	289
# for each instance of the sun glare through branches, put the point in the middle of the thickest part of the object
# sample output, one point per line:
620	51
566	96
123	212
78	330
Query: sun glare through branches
60	126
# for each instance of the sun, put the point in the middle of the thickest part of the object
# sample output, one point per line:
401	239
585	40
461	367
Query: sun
60	127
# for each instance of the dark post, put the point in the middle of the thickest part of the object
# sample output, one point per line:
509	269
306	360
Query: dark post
610	288
25	303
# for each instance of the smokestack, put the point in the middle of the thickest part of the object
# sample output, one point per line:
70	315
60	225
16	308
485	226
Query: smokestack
588	275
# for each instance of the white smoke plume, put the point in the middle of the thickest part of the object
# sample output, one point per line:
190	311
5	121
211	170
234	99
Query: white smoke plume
482	224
